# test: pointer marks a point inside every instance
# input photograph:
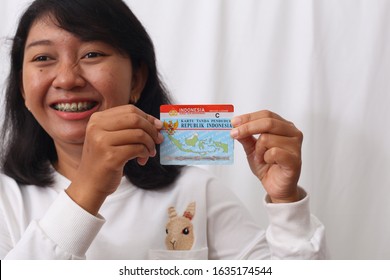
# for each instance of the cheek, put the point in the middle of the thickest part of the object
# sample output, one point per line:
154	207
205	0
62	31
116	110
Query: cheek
31	88
114	86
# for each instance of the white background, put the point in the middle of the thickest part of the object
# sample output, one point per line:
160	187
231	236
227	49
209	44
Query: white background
323	64
196	269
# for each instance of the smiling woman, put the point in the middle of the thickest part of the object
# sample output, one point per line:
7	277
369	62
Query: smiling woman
68	53
75	72
83	135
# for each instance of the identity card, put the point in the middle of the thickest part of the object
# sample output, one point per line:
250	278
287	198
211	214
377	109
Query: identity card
196	134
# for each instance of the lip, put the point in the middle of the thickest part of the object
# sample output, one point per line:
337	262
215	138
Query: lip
74	116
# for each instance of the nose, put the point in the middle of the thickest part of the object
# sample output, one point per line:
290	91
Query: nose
68	77
173	242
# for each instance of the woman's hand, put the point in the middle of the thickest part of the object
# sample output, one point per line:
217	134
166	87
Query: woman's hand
274	156
113	137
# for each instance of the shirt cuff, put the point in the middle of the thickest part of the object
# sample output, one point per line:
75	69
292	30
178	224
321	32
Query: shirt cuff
71	227
292	220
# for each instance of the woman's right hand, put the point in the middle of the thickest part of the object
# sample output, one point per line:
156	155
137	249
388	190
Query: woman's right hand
113	137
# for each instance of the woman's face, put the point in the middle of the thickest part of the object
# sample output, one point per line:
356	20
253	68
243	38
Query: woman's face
66	80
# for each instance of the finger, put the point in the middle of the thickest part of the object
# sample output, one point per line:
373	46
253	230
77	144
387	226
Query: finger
142	161
129	109
268	141
264	114
130	152
131	137
119	155
265	125
127	117
285	159
249	144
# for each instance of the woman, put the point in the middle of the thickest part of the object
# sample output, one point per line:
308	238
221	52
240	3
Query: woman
83	133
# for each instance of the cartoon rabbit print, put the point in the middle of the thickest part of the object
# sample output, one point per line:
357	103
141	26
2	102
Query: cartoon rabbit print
179	229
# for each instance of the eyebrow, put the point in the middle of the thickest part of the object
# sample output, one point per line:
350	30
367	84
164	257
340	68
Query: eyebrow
39	43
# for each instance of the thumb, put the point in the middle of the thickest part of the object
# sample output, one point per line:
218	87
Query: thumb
249	144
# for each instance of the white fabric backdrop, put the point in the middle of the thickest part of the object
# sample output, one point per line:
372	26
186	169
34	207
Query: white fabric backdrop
323	64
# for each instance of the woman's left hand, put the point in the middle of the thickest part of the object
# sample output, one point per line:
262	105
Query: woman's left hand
275	155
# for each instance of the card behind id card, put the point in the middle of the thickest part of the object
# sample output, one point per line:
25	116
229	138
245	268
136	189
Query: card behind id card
196	135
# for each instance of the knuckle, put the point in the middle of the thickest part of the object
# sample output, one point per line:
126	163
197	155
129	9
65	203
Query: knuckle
96	117
111	157
132	108
139	134
244	129
274	152
263	139
99	140
142	151
269	124
299	136
248	118
268	114
93	120
271	155
92	127
133	120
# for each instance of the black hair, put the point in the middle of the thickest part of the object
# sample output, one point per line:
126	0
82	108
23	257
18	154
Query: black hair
30	152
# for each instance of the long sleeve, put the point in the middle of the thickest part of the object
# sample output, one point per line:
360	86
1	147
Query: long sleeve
44	223
5	237
64	232
293	232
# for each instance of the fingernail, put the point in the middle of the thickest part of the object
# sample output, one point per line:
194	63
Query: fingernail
236	121
153	153
160	138
234	133
142	161
158	123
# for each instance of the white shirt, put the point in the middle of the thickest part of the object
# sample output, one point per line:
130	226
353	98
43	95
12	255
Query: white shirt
44	223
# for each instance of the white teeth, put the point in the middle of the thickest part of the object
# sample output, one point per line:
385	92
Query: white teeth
74	107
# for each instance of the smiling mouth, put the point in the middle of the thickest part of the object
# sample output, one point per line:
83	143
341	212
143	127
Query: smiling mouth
74	107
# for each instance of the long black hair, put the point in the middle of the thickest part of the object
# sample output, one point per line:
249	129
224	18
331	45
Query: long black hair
28	150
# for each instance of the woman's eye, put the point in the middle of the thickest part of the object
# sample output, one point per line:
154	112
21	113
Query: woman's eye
93	55
41	58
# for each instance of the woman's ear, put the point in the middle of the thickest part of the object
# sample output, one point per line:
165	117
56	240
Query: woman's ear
140	76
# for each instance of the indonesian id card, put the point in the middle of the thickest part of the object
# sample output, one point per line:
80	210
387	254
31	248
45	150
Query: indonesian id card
196	134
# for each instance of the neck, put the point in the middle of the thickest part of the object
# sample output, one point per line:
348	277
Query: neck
69	157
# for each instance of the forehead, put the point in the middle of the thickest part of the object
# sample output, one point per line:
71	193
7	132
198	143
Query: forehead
46	27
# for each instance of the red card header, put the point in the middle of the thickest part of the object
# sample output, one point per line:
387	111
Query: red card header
197	109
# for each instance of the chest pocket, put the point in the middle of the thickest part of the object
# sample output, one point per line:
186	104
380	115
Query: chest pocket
199	254
180	238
